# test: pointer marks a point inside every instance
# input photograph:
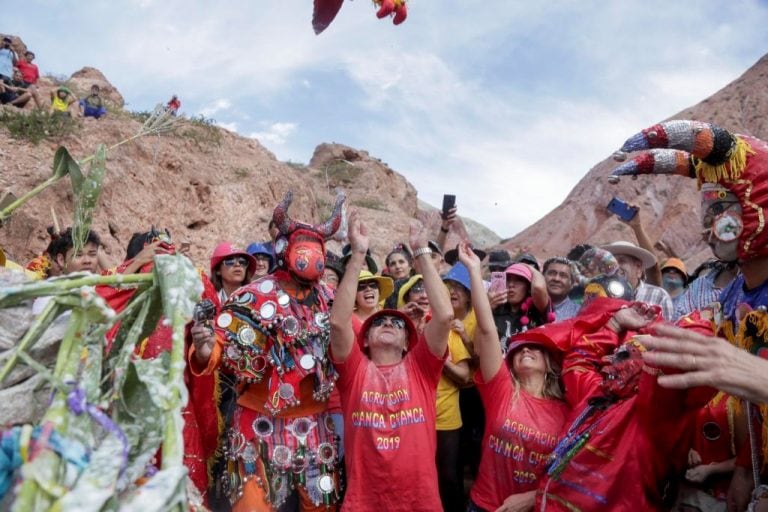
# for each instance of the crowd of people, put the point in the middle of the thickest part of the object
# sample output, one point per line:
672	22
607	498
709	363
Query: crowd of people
19	77
459	379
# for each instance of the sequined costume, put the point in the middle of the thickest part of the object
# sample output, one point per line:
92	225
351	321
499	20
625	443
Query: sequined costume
274	343
731	170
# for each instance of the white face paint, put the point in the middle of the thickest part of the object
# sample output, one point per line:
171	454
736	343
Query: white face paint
721	220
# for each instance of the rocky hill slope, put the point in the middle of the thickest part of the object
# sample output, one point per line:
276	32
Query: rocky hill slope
669	205
204	183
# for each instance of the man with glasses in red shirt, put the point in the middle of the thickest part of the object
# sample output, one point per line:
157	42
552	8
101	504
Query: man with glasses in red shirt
388	378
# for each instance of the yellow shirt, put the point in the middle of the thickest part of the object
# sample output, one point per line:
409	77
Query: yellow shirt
448	413
60	105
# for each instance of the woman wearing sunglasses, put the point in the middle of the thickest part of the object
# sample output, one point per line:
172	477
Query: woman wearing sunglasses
372	291
388	378
231	268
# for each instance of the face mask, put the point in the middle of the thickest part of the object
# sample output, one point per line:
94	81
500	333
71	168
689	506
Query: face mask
306	260
672	283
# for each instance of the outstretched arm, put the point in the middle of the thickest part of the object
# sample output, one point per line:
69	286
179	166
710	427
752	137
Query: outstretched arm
342	335
707	361
436	331
487	345
539	291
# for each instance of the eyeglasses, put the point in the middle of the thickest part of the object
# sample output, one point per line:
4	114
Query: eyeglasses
397	323
417	288
364	285
231	262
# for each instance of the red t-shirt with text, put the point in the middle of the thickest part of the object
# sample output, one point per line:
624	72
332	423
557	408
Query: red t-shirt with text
389	431
520	433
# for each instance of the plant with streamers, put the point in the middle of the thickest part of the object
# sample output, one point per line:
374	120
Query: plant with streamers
110	412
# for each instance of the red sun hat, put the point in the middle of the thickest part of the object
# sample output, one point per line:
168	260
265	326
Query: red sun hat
224	250
538	339
413	336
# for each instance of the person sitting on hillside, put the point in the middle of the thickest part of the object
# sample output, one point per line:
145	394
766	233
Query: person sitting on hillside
30	74
61	99
14	93
93	105
7	60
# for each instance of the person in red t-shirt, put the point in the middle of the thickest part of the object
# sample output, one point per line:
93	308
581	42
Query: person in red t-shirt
524	408
622	444
30	74
388	381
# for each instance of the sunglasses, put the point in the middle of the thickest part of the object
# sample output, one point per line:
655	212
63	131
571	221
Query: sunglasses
231	262
367	284
417	288
397	323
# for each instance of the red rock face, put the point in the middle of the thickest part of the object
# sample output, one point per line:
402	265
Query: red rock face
670	205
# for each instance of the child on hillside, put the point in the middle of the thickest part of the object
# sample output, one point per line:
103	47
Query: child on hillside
93	104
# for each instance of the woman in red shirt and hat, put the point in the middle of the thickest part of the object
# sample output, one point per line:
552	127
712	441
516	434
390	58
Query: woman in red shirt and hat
523	402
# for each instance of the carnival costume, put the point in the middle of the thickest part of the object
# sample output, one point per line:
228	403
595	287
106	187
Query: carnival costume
722	163
622	438
275	346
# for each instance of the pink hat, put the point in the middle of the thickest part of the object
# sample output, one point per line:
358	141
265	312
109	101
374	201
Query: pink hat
520	270
224	250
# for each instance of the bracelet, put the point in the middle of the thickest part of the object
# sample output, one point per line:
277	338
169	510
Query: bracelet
444	230
421	252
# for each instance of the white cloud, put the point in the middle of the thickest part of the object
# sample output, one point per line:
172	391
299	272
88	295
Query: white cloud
275	133
227	126
463	98
215	107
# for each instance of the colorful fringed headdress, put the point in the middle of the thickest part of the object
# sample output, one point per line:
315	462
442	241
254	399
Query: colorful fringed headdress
711	154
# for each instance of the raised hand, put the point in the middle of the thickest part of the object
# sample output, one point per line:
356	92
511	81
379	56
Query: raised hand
635	317
358	233
467	256
417	235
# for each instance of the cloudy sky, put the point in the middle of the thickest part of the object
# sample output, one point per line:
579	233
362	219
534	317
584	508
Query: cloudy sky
505	103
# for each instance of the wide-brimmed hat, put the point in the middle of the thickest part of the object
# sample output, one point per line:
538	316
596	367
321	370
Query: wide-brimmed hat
346	253
386	285
413	335
629	249
333	262
538	339
404	288
526	257
676	264
499	260
224	250
459	274
452	256
520	270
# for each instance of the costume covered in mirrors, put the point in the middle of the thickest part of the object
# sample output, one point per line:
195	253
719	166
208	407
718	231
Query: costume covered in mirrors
274	342
732	172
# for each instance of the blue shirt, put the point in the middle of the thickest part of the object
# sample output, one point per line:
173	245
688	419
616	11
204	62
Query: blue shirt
735	294
6	62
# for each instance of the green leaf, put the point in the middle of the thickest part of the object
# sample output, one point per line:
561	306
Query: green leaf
64	164
87	195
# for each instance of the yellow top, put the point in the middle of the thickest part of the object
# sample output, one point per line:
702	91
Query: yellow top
59	104
448	413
